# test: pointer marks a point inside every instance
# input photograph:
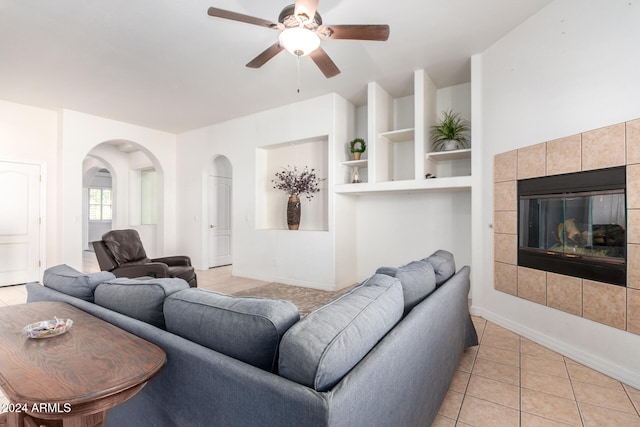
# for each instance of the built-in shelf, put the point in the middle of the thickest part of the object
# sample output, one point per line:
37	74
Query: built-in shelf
454	183
438	156
355	166
356	163
402	135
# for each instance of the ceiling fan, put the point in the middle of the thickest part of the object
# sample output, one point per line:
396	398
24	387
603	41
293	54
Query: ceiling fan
301	30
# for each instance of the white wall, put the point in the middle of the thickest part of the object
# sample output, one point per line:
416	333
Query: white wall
398	228
29	134
297	257
570	68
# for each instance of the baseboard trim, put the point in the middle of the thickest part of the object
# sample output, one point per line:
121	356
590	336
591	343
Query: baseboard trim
603	366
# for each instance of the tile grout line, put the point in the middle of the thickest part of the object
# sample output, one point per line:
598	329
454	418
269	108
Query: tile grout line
573	391
520	379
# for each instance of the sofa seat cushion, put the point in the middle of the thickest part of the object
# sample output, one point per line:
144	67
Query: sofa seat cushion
324	346
417	278
70	281
141	298
246	328
443	264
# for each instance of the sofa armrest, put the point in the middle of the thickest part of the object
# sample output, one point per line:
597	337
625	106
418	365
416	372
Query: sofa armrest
174	261
152	269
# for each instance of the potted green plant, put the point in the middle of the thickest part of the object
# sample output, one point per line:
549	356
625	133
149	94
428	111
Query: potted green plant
357	147
450	133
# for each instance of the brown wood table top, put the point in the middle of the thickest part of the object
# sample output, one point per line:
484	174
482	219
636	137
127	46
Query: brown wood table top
80	373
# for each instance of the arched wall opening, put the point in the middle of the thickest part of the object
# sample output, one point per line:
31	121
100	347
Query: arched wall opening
137	183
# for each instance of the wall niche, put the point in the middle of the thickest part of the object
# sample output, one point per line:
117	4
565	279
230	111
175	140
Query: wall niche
271	203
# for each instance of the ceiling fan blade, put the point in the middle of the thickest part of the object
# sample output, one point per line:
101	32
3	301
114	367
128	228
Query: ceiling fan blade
306	7
266	55
221	13
326	65
355	32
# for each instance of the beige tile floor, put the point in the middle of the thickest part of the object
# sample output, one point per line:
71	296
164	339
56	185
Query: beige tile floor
507	380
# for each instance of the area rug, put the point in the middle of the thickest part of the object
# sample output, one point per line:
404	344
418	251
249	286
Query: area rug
306	299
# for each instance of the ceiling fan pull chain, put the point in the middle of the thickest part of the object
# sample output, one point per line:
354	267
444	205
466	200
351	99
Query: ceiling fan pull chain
298	62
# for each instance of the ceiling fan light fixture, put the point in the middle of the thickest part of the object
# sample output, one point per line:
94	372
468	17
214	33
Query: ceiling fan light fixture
299	41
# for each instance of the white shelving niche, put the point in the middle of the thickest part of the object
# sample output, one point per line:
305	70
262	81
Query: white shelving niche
399	156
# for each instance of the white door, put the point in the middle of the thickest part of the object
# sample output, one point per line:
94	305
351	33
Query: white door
19	223
219	221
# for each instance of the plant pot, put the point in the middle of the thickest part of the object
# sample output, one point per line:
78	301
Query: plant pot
356	156
293	212
451	144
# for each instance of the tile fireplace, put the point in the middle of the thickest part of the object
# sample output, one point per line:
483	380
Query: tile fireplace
566	224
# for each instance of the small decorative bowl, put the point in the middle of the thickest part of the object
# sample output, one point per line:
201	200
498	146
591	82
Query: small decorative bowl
47	328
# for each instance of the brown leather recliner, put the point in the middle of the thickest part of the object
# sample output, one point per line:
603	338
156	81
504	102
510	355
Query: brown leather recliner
121	252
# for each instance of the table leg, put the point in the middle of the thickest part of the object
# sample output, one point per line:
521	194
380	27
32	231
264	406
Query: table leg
14	419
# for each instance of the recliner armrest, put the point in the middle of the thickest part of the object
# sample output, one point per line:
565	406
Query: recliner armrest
176	260
152	269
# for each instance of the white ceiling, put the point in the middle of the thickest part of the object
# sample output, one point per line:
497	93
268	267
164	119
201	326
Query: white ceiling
167	65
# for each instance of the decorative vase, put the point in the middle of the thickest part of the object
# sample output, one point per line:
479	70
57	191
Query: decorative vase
356	156
293	212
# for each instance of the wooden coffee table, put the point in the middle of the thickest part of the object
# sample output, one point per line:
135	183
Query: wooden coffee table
74	377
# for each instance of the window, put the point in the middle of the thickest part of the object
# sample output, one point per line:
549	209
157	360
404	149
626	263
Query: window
149	197
100	204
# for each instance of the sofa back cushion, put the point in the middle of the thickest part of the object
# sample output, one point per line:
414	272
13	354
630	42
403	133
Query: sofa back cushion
125	245
246	328
324	346
443	264
141	299
70	281
417	278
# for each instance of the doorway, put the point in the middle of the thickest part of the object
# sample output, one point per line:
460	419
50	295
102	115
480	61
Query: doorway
219	211
20	223
99	206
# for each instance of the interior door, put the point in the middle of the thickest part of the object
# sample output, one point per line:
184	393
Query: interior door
19	223
219	221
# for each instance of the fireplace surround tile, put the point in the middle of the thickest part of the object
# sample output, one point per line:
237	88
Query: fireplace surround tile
633	310
505	166
604	303
564	155
604	148
633	266
633	226
633	186
633	141
564	293
532	285
505	222
531	161
506	248
506	196
506	278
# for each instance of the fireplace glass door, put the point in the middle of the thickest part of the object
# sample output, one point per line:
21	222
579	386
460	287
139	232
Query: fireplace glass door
588	224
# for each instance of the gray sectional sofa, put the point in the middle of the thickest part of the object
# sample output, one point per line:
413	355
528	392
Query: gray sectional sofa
381	354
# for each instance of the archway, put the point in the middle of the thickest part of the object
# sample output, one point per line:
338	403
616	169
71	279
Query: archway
219	205
137	193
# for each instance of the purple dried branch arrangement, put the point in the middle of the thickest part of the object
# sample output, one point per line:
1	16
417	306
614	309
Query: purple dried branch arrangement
295	182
